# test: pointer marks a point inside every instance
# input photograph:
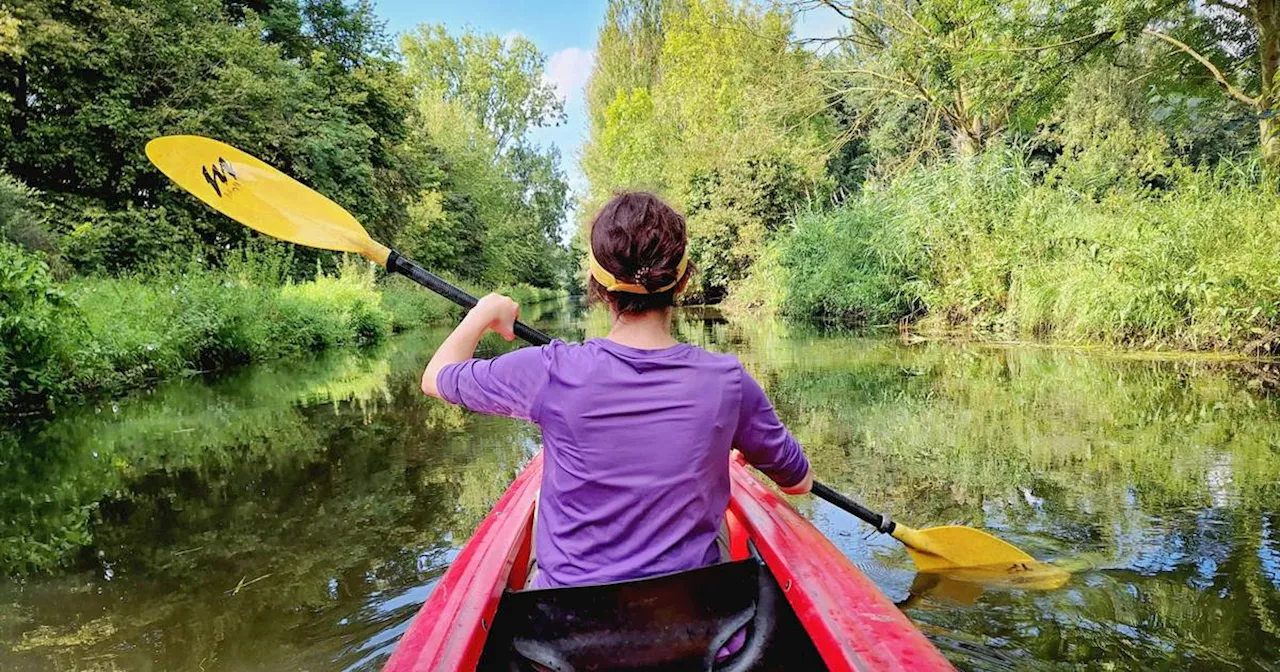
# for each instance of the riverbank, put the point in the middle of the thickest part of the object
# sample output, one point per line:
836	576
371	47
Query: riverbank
96	337
996	249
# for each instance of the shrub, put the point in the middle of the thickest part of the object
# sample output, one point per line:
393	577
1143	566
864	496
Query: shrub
105	335
854	269
347	307
122	241
412	306
23	222
528	294
734	212
146	328
33	311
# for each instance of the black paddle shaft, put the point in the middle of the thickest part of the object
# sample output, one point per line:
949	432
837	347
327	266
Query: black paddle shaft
880	521
399	264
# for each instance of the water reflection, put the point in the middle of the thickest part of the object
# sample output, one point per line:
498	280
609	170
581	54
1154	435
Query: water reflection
1155	481
294	516
285	517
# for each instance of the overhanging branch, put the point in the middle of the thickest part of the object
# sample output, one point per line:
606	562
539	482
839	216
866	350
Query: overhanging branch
1220	78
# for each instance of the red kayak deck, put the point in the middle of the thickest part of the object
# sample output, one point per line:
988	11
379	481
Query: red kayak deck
852	624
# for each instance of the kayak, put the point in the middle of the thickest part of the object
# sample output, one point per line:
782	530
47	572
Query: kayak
786	594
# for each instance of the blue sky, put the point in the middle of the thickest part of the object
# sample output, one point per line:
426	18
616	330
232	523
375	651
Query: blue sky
564	30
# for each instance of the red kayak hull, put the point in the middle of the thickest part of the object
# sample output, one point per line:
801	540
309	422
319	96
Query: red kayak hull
852	624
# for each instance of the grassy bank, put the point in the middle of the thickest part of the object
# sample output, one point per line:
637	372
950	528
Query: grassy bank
992	247
101	336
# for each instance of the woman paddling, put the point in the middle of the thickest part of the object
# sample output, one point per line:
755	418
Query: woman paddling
636	426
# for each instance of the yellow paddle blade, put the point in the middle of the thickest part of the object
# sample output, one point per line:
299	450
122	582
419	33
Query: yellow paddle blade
977	556
253	193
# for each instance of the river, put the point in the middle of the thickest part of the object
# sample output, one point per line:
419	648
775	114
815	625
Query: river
295	515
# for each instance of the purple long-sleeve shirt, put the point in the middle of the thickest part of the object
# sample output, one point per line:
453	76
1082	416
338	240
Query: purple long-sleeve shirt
636	445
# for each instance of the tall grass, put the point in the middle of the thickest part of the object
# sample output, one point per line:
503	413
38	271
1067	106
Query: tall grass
104	335
141	329
987	245
111	334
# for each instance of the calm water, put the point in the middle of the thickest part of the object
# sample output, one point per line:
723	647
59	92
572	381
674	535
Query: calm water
294	516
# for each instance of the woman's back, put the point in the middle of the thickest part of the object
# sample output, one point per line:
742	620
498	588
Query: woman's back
637	445
637	428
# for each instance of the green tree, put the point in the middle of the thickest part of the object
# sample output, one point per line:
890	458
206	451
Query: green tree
627	52
543	202
1107	136
708	103
970	69
497	82
496	212
88	85
1237	46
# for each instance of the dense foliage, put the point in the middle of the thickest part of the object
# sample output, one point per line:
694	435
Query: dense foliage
499	218
311	86
987	246
922	166
1088	170
707	103
315	87
31	359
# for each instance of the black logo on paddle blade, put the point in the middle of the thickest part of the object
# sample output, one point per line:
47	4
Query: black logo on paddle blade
218	172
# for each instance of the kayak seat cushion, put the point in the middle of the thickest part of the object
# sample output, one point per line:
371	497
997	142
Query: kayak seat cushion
675	622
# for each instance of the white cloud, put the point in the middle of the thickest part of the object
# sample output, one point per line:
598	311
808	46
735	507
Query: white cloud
568	71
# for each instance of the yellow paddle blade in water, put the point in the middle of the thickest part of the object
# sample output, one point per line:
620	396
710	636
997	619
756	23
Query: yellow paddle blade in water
260	197
955	549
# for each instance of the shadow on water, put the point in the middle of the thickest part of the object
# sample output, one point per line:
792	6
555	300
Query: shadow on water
294	516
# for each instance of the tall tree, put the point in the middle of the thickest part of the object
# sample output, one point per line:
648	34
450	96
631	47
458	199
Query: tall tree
708	103
627	51
90	83
973	67
498	82
544	201
477	97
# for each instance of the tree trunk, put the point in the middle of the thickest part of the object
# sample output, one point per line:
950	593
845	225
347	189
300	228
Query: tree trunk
964	144
1269	61
21	106
968	138
1269	141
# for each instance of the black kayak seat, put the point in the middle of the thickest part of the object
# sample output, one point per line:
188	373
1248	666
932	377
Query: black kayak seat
676	622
